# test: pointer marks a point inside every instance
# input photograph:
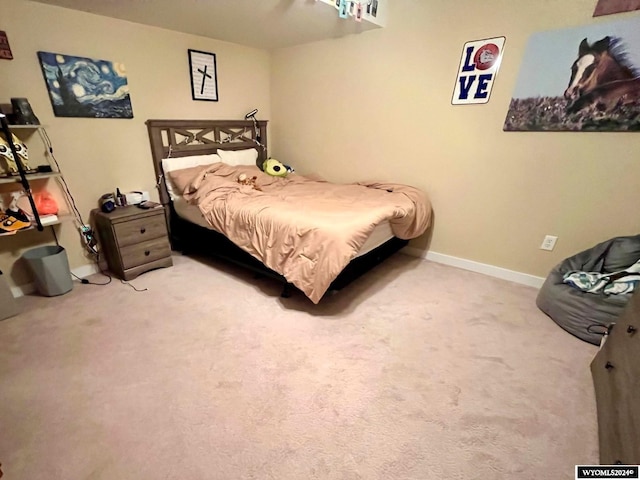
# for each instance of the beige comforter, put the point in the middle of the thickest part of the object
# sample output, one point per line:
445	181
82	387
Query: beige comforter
306	229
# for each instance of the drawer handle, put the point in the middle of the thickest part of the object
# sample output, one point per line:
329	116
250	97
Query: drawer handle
146	253
142	230
631	329
608	365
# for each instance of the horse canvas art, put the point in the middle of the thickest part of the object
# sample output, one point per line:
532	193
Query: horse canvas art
600	92
602	76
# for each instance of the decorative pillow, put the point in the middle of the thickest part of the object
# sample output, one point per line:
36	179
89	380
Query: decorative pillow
183	177
247	156
180	163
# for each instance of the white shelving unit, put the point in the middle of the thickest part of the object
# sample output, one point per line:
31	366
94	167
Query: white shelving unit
38	181
30	176
374	11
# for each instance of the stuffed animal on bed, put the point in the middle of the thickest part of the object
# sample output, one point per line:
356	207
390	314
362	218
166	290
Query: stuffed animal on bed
243	179
275	168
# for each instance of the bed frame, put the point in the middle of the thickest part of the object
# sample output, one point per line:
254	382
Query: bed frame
179	138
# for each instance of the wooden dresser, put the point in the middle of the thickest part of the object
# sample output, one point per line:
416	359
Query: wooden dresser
133	240
616	378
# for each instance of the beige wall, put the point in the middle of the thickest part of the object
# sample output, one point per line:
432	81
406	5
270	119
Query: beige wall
381	99
98	155
377	105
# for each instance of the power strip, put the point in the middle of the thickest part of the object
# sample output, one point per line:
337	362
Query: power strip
89	239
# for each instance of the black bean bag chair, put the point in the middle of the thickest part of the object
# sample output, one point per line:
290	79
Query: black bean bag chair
587	315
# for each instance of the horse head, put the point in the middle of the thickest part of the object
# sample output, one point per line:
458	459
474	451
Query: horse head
597	64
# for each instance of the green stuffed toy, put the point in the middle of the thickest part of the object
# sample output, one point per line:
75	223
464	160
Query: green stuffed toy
275	168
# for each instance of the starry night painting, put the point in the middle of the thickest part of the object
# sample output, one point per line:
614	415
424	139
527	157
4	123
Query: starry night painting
84	87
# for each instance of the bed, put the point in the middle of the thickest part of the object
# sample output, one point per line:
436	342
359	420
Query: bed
186	149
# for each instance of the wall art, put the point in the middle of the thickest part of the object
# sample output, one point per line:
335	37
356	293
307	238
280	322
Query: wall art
204	75
477	71
577	79
85	87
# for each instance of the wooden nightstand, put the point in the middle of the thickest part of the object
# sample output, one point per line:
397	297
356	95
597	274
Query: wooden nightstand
615	370
133	240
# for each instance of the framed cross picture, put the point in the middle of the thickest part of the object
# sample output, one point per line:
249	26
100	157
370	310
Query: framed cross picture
204	79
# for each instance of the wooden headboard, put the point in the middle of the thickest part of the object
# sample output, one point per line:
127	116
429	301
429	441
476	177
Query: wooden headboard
181	138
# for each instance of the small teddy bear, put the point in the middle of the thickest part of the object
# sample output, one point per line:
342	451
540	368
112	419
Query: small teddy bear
243	179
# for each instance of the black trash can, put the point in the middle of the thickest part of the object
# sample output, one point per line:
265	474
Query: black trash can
50	268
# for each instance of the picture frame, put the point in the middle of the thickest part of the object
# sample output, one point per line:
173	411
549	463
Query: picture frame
204	76
5	49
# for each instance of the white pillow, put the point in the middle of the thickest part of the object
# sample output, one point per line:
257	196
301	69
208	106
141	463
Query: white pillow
178	163
247	156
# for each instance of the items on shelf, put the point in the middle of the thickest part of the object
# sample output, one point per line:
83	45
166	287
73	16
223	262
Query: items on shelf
19	215
13	218
18	162
6	154
37	208
356	9
45	203
22	112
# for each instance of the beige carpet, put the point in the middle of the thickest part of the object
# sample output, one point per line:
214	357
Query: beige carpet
416	371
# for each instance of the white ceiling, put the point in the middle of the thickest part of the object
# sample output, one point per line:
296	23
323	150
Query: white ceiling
267	24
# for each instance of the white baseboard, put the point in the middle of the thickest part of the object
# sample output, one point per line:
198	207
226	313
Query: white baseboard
83	271
486	269
86	270
22	290
492	271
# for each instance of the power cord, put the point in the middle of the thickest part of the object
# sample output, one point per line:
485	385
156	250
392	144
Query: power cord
90	242
133	286
86	281
67	192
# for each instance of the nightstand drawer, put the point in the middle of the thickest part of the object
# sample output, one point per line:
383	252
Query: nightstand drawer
140	230
145	252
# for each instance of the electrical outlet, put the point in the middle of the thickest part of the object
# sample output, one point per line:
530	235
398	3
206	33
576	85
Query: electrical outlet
549	242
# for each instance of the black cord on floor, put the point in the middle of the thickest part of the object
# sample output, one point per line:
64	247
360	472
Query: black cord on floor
102	272
85	281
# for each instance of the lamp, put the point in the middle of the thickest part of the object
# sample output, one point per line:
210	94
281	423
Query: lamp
23	176
252	115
